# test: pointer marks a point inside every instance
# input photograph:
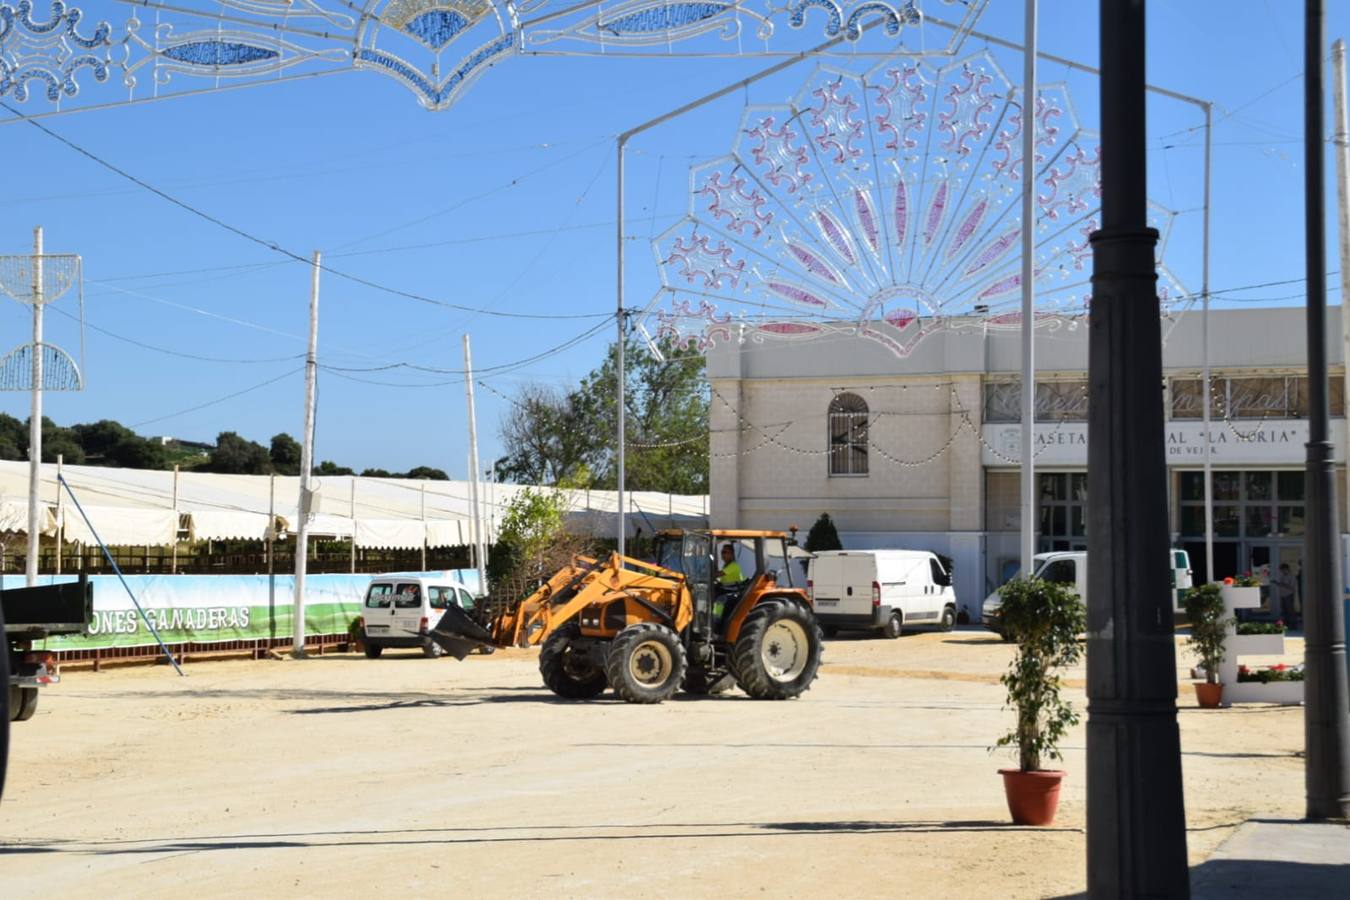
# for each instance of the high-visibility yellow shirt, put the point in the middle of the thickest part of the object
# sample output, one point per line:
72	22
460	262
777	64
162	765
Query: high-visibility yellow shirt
731	574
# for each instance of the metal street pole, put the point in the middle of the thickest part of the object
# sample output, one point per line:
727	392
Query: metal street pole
1136	823
1204	350
1326	714
1029	293
473	472
35	422
1341	141
306	467
620	376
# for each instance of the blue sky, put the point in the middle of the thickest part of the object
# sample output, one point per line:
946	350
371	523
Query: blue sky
506	201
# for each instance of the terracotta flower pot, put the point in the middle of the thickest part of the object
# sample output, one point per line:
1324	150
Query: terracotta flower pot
1209	695
1033	797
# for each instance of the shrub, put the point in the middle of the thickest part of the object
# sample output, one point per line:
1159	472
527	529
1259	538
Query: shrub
1209	629
1045	619
1276	627
823	535
1247	580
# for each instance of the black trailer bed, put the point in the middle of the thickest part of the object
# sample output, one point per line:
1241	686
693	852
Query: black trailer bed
36	612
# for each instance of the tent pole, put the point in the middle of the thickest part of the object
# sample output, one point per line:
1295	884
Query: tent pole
173	563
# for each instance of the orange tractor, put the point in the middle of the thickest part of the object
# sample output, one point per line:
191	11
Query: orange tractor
650	629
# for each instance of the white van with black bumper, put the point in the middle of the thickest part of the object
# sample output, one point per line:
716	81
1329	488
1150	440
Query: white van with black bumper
881	590
400	611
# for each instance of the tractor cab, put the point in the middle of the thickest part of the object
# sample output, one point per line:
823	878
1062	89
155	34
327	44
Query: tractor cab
710	561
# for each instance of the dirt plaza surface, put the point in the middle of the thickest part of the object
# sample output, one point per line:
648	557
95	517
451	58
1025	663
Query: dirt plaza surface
344	777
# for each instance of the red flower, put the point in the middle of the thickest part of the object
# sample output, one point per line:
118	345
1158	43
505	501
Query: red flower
1243	670
1278	667
1228	581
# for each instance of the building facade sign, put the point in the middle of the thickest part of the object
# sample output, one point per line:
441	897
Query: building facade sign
1246	442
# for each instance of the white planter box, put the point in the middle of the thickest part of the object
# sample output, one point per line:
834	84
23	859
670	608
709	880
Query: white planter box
1287	692
1241	597
1255	645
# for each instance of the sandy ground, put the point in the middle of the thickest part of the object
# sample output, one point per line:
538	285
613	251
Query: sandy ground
343	776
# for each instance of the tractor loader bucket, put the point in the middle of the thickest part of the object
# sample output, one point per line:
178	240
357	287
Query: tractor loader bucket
459	635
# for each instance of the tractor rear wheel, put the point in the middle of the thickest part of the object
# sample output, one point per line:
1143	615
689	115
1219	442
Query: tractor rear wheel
704	682
646	663
568	670
777	655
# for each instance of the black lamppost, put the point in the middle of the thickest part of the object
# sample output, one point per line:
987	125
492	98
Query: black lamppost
1136	823
1325	716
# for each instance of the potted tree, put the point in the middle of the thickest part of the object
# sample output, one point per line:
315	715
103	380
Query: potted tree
1205	610
1045	619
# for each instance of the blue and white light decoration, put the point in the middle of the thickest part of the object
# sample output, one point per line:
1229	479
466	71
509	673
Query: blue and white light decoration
114	52
887	205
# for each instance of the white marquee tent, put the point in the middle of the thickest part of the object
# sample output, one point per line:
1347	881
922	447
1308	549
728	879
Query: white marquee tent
142	507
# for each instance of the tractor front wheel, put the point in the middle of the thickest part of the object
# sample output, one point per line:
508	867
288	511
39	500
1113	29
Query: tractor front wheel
568	670
646	663
777	655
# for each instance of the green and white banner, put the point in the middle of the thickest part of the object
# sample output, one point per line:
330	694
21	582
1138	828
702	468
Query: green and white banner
215	608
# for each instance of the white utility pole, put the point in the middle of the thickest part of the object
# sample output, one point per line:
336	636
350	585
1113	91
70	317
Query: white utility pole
306	468
424	525
1341	142
352	502
473	471
35	421
1029	292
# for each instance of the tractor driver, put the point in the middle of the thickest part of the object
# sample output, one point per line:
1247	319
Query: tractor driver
730	574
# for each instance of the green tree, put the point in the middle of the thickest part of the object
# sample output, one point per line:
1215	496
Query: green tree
235	455
59	441
552	436
428	473
285	454
378	473
328	467
548	437
823	535
532	543
13	438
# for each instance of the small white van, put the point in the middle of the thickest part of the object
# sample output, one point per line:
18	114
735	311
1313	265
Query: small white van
400	610
886	590
1071	568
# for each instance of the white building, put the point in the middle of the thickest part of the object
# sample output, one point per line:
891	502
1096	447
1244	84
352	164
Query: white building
922	452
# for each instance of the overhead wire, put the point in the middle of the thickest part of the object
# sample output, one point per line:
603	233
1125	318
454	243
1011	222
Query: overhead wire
219	400
274	246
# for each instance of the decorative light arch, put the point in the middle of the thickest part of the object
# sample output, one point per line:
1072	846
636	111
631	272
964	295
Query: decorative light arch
114	52
885	205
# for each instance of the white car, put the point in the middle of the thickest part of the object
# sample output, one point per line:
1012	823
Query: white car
886	590
1071	568
400	610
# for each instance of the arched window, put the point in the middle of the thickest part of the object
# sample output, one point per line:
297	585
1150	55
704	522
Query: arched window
848	435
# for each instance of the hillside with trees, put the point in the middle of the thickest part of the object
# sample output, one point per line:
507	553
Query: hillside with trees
110	443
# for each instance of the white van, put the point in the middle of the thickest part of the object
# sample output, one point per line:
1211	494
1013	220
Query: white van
400	610
1071	568
887	590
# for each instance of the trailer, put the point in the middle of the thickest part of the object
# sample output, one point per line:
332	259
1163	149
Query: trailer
31	615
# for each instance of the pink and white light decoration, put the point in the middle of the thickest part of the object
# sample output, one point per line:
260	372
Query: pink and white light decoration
885	205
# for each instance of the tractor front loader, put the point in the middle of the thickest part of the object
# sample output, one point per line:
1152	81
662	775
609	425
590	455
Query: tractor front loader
649	629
